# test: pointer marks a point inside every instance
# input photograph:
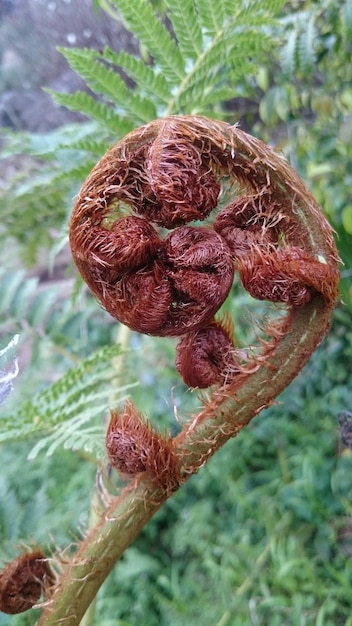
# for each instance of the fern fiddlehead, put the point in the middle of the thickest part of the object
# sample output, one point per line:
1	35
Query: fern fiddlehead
168	174
270	230
23	582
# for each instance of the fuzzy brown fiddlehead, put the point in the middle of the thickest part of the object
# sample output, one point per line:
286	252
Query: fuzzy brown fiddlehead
267	228
134	446
181	178
288	275
24	581
164	176
247	222
207	356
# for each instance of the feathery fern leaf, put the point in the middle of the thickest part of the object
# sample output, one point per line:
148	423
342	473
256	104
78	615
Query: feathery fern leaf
59	412
147	78
209	72
29	307
45	315
288	53
187	28
211	15
93	109
108	83
306	41
298	52
267	8
150	31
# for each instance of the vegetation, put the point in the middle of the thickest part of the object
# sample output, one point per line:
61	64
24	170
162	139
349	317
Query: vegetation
262	534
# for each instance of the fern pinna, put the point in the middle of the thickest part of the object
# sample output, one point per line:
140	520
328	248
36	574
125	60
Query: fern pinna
136	239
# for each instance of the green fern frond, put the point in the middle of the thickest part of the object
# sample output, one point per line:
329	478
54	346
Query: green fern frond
75	173
45	146
23	303
298	53
267	8
288	54
58	414
108	83
147	78
187	27
306	41
94	147
93	109
151	33
210	73
41	314
211	15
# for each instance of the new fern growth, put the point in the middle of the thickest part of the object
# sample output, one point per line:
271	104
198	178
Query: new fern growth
163	223
271	231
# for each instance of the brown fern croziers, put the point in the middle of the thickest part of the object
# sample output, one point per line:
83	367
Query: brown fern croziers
24	581
166	176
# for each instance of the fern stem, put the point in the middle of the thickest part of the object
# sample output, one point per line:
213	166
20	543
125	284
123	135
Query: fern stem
123	340
137	503
230	407
93	520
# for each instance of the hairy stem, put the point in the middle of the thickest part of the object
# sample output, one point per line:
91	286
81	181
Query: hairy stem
138	502
123	340
301	263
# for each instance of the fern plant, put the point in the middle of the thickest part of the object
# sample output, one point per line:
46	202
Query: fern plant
206	56
192	66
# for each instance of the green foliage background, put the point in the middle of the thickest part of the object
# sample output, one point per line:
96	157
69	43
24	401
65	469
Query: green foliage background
263	534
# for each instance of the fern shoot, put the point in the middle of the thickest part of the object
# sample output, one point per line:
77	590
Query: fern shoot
194	58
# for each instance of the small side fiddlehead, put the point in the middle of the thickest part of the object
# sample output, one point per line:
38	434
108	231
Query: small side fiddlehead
207	356
134	447
24	581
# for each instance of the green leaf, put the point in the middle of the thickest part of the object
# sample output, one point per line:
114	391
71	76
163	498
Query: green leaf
211	71
211	15
306	41
289	53
108	83
9	285
94	109
59	414
187	27
147	77
150	31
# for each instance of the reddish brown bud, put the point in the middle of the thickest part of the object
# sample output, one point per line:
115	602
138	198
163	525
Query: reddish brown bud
181	179
134	446
249	221
23	582
287	275
207	356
